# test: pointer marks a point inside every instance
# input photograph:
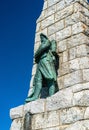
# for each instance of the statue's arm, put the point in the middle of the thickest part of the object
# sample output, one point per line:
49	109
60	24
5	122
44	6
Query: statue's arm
42	48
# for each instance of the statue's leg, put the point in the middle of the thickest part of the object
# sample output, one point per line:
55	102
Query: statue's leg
38	87
31	92
51	86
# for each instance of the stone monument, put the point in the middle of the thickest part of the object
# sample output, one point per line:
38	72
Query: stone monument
67	22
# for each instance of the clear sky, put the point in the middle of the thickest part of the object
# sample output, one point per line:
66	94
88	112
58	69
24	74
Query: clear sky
17	33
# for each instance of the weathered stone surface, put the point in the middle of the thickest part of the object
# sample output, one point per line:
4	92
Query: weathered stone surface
52	2
79	28
27	108
71	115
36	46
72	78
78	51
63	127
80	87
65	56
84	3
38	106
38	28
51	37
65	68
27	121
72	53
54	128
75	18
64	13
17	124
16	112
86	115
60	5
62	45
35	107
81	98
60	58
49	11
83	62
86	74
82	50
73	65
44	31
68	2
45	5
59	25
77	40
80	8
51	29
61	99
63	34
60	82
48	21
80	125
87	21
37	38
45	120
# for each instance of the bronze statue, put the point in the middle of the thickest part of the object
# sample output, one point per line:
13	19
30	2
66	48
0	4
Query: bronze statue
46	60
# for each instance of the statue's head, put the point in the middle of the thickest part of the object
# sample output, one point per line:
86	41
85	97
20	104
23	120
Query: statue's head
53	46
43	38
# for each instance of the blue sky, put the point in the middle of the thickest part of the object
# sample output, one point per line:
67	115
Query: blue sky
17	32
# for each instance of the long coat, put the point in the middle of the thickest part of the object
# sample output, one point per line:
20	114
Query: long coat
45	61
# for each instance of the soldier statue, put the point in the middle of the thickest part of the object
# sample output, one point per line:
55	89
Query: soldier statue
45	57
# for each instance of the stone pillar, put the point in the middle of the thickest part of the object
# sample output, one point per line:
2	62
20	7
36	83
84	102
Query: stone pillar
66	21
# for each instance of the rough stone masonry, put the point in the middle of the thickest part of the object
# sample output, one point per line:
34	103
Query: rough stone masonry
66	21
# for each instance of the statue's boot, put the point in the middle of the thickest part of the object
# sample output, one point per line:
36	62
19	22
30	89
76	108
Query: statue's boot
51	85
36	93
30	95
31	99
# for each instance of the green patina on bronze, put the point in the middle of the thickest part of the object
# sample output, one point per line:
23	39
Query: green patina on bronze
45	58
